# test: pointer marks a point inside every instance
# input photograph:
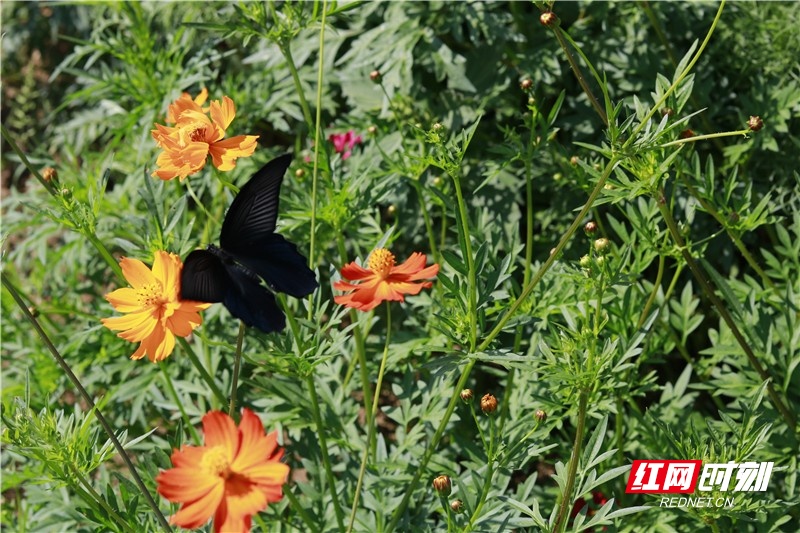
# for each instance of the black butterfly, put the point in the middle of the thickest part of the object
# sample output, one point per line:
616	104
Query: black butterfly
249	251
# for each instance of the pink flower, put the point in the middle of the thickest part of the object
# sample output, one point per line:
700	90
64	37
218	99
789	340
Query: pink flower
343	143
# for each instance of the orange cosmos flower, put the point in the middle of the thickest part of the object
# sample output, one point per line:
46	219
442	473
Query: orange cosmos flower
383	280
154	313
198	133
232	477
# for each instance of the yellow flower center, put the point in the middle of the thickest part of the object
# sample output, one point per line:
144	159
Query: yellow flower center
381	261
215	462
151	294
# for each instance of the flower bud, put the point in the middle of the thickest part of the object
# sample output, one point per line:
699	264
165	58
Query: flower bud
391	210
375	76
437	126
686	134
755	123
549	19
457	506
442	485
299	173
540	415
526	84
590	228
372	130
33	310
733	216
488	404
600	261
586	261
601	245
574	160
667	112
49	174
466	395
437	182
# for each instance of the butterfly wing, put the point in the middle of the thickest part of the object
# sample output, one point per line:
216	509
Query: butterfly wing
251	302
254	212
280	264
204	278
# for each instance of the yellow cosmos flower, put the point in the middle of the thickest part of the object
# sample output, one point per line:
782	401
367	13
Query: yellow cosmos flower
198	133
154	312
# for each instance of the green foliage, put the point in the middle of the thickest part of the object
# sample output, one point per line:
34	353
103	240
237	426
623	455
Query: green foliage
676	337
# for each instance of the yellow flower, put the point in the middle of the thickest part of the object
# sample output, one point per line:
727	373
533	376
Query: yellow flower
154	312
197	133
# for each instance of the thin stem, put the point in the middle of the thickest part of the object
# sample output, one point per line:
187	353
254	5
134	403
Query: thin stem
652	298
323	444
487	481
162	366
298	507
236	367
576	69
471	277
371	430
317	139
99	499
286	48
359	337
734	238
566	499
708	289
678	142
202	371
104	253
33	170
88	400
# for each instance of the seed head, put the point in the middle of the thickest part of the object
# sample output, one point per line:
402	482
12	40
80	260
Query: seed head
488	404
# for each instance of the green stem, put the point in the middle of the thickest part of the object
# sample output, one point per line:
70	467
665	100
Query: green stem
359	339
654	293
707	288
298	507
236	367
88	400
734	238
317	140
471	277
566	499
202	371
99	499
162	366
374	411
679	142
286	49
576	69
323	444
487	481
23	158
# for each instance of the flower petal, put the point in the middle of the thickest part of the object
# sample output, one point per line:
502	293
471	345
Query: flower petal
225	152
220	430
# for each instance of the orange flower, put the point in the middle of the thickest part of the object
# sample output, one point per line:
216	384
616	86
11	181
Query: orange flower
232	477
198	133
383	280
154	313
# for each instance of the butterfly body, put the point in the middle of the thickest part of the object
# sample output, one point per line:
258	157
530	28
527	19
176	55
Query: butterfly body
250	251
